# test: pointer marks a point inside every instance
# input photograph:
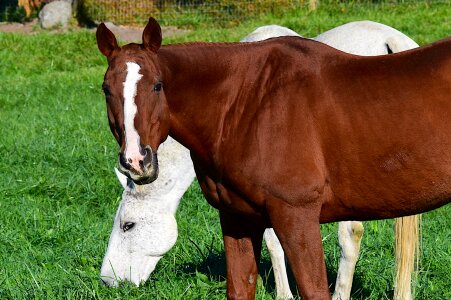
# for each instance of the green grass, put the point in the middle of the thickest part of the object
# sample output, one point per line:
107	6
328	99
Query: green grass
58	192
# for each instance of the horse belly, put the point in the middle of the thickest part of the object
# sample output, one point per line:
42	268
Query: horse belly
395	184
387	151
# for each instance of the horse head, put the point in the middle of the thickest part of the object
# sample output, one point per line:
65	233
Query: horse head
144	230
145	227
136	105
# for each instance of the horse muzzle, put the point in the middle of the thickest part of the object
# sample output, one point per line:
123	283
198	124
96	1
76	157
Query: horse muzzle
136	270
142	169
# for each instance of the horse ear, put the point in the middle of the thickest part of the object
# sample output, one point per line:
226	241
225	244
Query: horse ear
152	35
106	41
122	178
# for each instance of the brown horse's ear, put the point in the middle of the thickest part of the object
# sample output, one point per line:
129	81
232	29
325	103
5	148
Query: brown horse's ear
152	35
106	41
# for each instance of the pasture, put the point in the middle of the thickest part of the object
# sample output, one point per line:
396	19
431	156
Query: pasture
58	191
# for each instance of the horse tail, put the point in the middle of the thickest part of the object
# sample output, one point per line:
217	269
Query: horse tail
399	43
407	246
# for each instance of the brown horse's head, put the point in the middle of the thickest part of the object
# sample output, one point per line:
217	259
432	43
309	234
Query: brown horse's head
137	110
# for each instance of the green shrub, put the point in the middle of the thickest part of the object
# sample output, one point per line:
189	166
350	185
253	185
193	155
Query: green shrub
195	12
177	12
12	13
117	11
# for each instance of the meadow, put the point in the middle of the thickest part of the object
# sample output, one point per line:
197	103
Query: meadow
58	191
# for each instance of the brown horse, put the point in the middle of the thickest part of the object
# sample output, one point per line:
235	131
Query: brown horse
286	133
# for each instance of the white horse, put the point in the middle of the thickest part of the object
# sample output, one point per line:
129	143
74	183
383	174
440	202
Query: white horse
145	228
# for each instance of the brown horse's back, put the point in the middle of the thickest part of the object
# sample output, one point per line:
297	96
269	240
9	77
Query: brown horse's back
370	134
387	134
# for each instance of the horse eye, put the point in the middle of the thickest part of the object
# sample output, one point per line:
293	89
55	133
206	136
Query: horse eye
127	226
106	90
157	87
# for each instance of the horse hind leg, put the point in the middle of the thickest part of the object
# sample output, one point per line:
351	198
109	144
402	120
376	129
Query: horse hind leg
407	232
407	237
278	264
349	237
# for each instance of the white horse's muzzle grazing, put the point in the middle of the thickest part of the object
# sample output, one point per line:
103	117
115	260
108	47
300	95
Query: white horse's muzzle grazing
111	275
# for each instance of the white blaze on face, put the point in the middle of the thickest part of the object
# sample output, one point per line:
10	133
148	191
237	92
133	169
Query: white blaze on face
132	139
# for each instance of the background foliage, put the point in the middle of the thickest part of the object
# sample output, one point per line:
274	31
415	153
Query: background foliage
183	11
10	12
195	12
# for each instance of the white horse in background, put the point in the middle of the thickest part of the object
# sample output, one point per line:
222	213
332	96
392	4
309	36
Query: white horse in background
145	228
366	38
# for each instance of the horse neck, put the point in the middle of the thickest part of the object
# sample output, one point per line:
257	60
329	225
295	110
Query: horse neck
198	81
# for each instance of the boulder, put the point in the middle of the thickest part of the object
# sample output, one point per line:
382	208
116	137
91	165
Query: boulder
55	14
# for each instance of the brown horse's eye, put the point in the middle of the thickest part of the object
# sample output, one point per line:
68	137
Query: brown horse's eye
157	87
106	90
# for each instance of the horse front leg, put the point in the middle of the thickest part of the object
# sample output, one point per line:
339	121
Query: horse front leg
298	230
242	245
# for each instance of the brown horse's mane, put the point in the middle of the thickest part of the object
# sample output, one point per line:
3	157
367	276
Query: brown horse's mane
205	44
226	44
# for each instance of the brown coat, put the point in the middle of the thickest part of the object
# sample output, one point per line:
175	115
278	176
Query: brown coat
289	133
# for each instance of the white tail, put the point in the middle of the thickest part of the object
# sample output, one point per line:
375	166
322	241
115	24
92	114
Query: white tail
407	247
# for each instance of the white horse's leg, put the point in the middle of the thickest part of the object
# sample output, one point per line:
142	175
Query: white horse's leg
278	264
349	236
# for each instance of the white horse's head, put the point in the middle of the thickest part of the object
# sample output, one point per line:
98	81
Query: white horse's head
145	228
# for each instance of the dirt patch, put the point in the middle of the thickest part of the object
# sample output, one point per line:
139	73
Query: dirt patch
123	33
18	27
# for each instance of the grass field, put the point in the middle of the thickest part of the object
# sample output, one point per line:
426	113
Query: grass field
58	192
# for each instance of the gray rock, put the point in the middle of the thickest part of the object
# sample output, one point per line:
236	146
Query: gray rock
54	14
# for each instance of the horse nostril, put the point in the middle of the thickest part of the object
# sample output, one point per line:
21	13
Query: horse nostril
148	156
143	149
124	162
